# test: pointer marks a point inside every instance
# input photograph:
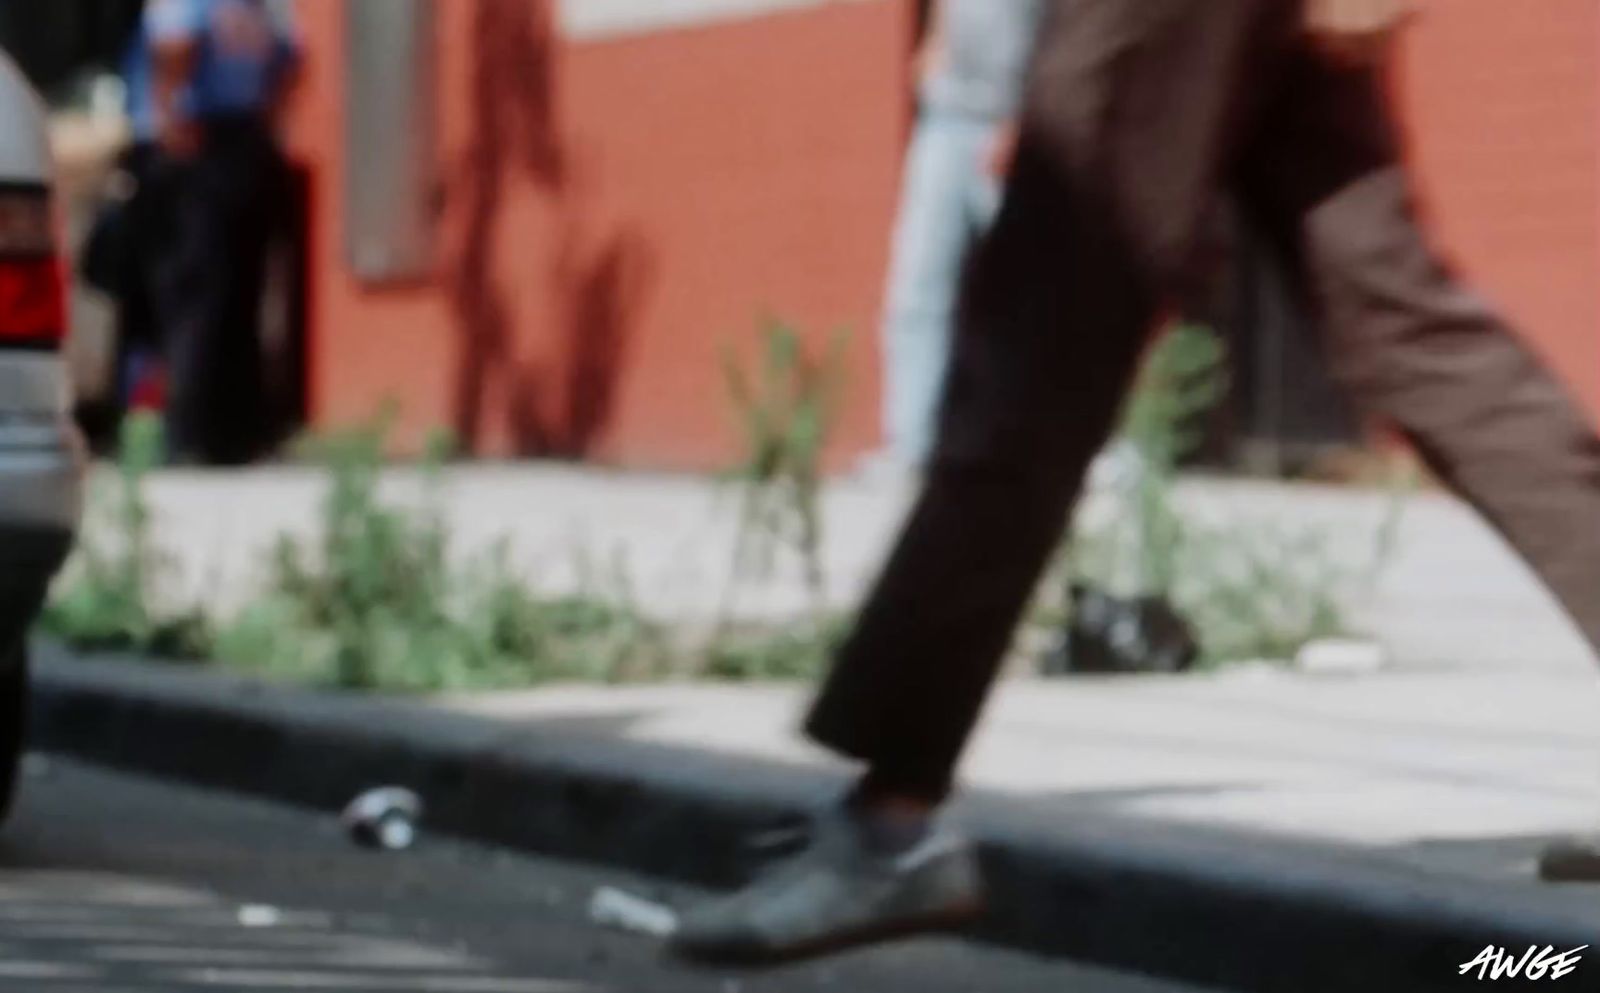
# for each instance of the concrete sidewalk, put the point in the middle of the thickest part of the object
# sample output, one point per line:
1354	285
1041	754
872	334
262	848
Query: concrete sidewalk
1253	831
1455	597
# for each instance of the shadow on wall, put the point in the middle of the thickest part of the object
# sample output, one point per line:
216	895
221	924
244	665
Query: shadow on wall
560	407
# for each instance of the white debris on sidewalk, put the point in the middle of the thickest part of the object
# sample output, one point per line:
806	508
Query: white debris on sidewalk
1342	657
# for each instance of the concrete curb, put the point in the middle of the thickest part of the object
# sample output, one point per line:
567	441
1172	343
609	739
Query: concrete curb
1226	910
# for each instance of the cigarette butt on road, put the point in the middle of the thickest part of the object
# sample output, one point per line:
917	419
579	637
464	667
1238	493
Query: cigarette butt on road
612	908
257	915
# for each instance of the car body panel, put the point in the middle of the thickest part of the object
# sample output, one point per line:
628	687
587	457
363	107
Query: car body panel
24	141
40	454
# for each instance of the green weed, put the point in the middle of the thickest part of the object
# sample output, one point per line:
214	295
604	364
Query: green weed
1252	589
108	597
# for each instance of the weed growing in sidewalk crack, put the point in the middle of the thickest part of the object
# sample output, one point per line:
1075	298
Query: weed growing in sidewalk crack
786	407
786	402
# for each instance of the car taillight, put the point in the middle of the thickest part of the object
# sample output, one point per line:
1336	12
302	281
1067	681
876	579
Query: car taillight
33	309
33	283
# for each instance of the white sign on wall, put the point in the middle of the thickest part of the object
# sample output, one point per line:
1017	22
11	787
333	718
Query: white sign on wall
588	19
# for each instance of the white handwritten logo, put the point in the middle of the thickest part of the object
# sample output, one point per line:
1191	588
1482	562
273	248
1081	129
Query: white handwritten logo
1494	964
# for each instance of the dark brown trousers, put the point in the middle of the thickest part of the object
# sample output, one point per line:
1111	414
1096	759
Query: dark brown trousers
1139	114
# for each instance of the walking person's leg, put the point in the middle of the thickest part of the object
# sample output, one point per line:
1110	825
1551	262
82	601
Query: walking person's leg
1132	109
1416	348
184	297
247	199
210	298
152	220
933	236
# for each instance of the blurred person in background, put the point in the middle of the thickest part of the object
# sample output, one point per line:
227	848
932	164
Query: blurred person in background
209	78
130	240
1137	116
969	73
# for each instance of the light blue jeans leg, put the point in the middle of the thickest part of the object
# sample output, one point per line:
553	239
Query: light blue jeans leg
947	200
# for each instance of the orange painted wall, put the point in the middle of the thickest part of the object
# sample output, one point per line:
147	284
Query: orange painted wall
1503	99
614	213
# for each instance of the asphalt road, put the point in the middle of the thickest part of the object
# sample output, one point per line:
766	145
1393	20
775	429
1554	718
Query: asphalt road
118	884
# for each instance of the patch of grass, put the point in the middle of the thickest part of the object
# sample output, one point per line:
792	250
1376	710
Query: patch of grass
108	598
376	603
799	652
1262	592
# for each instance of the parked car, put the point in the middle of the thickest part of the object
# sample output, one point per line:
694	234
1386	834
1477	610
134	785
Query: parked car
41	453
